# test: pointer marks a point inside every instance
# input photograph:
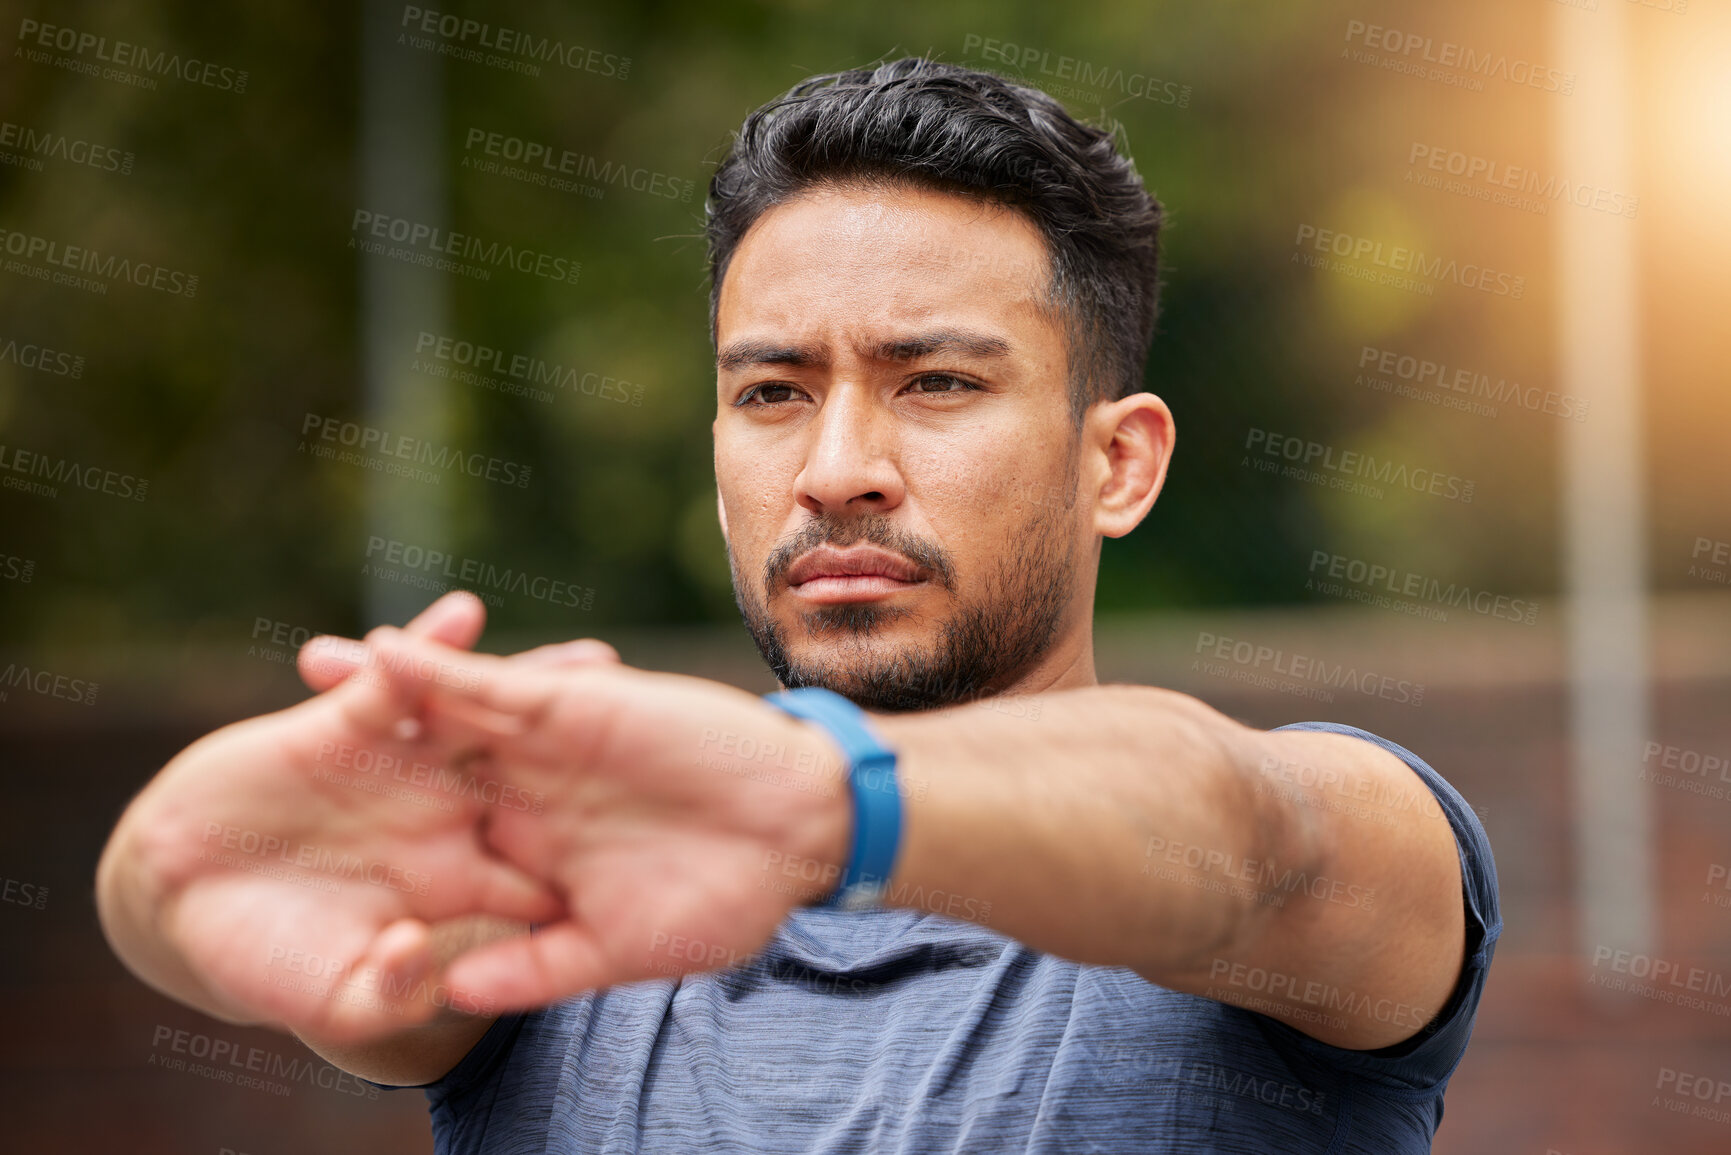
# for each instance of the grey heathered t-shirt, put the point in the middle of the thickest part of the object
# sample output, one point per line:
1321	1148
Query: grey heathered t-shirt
898	1031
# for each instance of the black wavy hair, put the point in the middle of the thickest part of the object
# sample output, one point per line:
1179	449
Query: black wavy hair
972	133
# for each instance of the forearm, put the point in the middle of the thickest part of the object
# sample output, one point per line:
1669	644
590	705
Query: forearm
1060	830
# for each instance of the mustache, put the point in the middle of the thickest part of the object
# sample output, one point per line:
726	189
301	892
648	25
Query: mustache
873	529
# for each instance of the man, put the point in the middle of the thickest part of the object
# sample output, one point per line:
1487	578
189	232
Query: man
1107	917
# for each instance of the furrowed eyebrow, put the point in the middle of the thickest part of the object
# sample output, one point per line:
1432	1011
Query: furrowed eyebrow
741	354
942	341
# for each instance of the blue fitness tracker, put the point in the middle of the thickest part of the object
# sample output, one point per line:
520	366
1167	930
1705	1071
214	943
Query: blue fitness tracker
877	799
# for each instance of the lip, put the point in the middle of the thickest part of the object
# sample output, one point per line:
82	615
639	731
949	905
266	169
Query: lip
858	573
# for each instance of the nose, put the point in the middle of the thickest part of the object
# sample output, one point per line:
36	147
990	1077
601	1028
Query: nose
851	462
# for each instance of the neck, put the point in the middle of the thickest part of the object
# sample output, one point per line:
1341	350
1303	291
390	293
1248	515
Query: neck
1066	666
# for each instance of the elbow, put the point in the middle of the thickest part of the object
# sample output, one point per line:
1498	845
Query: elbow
1263	841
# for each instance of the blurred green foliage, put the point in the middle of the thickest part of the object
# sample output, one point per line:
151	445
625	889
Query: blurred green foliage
255	193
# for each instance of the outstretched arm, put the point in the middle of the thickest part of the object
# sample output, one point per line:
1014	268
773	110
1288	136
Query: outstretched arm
1130	826
1120	826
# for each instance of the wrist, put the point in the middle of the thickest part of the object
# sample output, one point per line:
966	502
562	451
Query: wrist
819	857
872	792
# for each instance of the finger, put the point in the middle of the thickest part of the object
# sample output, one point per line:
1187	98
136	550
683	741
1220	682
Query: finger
495	887
535	970
337	658
386	985
387	981
579	652
327	659
405	948
496	694
467	725
456	619
397	673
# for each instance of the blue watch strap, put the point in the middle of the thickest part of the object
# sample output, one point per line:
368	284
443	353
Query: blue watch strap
877	799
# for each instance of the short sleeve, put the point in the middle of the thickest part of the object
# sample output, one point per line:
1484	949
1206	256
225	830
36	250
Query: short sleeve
1425	1061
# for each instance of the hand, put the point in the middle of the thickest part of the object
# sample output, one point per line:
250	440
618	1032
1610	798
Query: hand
671	806
282	862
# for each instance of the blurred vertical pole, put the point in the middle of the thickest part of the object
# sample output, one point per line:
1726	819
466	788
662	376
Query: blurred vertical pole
1603	482
402	172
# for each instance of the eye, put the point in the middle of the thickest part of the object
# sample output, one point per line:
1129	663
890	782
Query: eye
769	393
939	383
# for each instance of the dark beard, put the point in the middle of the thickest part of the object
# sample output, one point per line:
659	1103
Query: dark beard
986	647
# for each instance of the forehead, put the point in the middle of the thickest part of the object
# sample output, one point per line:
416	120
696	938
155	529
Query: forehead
866	260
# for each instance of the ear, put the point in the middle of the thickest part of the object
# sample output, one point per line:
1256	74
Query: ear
721	512
1128	444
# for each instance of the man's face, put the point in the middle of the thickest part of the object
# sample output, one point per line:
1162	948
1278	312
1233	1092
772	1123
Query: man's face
893	446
